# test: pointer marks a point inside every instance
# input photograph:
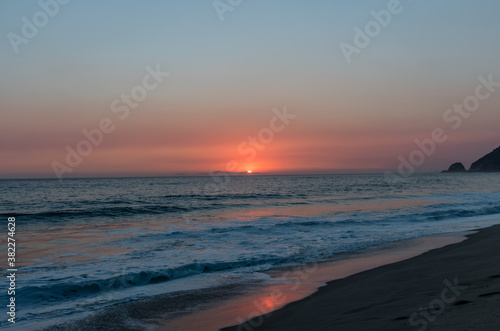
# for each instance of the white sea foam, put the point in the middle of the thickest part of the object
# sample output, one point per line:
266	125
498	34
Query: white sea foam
115	240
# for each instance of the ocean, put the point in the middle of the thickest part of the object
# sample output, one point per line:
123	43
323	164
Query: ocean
84	245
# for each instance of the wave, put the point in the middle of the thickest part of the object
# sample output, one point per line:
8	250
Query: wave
64	291
444	212
175	203
234	196
463	212
105	212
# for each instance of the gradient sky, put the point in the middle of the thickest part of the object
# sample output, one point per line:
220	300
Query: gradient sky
227	76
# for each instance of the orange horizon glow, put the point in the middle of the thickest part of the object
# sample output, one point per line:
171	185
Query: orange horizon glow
225	81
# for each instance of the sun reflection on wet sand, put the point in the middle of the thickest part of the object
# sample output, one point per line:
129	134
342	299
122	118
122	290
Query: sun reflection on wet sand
301	282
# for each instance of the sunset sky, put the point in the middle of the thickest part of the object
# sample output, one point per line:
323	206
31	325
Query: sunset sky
226	77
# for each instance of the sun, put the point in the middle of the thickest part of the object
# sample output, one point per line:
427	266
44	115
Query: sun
249	171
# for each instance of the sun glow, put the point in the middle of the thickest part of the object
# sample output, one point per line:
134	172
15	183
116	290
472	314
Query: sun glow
249	171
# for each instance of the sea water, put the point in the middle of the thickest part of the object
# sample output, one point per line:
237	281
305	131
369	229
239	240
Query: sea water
83	245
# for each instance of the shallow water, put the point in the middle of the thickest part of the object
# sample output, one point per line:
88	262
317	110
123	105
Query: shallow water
86	244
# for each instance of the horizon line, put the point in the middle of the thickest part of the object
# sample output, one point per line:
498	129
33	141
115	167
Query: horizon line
213	174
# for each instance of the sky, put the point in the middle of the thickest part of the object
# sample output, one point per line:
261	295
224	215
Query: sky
271	86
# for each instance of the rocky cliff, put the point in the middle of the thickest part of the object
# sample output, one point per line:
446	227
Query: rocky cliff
488	163
456	167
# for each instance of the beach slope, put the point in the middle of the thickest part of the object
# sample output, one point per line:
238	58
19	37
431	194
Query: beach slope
456	287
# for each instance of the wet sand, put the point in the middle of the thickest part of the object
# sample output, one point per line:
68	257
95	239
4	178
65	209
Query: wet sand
456	287
293	284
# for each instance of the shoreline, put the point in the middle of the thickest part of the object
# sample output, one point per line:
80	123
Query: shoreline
296	283
273	292
456	286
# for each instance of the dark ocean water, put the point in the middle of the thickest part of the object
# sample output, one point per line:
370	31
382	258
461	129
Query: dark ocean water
85	244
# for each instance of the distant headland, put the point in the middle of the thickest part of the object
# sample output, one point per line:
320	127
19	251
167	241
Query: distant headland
488	163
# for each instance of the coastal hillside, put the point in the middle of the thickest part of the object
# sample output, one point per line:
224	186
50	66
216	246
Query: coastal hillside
488	163
456	167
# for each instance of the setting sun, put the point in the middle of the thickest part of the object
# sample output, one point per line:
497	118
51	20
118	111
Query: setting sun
249	171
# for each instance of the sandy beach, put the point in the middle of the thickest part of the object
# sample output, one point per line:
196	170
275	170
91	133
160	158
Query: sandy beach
456	287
